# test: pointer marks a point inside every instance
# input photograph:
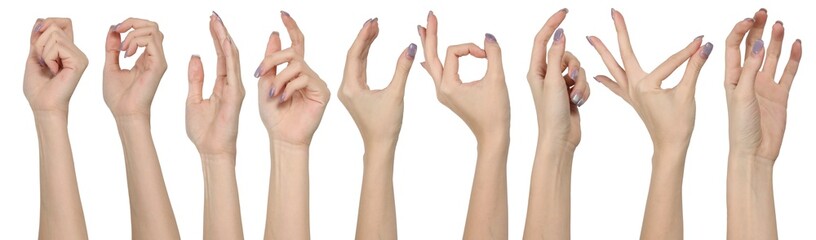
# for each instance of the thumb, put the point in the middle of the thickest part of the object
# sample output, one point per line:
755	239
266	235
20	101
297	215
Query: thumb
753	61
112	49
494	56
695	64
404	64
195	75
555	56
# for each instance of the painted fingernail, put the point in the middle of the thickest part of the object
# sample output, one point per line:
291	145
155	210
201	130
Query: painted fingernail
272	92
419	28
559	34
763	10
490	38
699	37
284	13
757	46
122	46
574	74
375	19
613	12
707	50
196	56
596	79
258	72
779	22
748	19
798	41
38	27
589	39
217	16
412	48
430	13
565	10
282	97
41	61
577	99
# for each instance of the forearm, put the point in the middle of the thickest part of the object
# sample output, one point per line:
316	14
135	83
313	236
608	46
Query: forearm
222	211
664	208
61	215
751	213
548	211
287	215
377	217
487	212
151	214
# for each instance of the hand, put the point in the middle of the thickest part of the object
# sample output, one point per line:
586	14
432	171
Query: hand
291	102
212	124
378	113
53	67
130	92
757	105
667	113
558	119
484	104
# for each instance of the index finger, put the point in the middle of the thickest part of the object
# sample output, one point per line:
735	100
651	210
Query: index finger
231	59
451	72
295	34
62	23
357	56
134	23
429	45
630	62
538	62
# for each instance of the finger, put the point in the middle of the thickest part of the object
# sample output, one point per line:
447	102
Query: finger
733	57
51	55
451	72
494	56
793	65
63	24
429	45
627	53
298	40
760	18
556	56
752	63
144	41
63	54
48	35
195	76
293	85
135	23
579	93
357	55
404	64
141	32
539	54
231	63
292	71
35	31
774	50
272	47
278	58
112	49
611	64
672	63
611	85
221	65
695	64
569	61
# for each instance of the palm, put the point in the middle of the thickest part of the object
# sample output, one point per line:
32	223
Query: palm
295	120
772	103
45	90
558	112
211	125
132	91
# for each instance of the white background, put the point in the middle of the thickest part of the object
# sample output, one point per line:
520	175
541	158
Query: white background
436	153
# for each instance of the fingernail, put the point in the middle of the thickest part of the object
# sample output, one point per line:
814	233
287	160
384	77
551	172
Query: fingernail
112	27
37	27
707	50
748	19
375	19
412	48
282	97
613	12
217	16
41	61
757	46
779	22
798	41
763	10
596	79
574	74
284	13
589	39
490	37
272	92
565	10
122	46
258	72
430	13
366	22
196	56
577	99
581	103
699	37
559	34
419	28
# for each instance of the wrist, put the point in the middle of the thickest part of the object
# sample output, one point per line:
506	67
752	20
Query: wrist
47	116
218	159
131	119
669	158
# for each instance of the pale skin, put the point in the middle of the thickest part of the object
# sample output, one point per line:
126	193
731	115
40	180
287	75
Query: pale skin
378	115
53	68
757	113
669	117
129	95
484	105
291	104
557	98
212	125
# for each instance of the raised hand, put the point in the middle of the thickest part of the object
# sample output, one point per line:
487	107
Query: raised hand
212	125
378	115
293	100
129	92
669	117
53	68
757	114
484	105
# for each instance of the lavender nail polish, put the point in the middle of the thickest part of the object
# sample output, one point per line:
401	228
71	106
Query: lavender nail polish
596	79
41	61
581	102
576	98
748	19
490	37
122	46
565	10
272	92
707	50
284	13
282	97
217	16
412	49
613	12
589	39
779	22
574	74
559	34
699	37
258	72
758	45
37	27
